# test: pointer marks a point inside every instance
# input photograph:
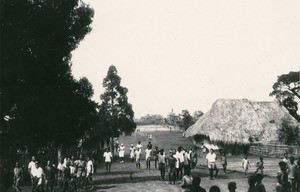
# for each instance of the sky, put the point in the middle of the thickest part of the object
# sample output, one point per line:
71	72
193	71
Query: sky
186	54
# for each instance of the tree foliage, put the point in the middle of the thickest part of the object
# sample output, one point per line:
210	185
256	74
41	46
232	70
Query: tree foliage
287	92
288	133
152	120
40	99
187	120
115	112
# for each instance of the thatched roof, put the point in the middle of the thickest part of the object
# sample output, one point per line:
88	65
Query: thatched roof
235	121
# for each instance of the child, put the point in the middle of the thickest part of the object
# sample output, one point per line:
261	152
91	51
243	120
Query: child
260	165
224	162
138	154
245	164
122	153
131	153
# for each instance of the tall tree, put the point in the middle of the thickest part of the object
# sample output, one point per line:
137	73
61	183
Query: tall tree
115	108
187	120
287	92
39	95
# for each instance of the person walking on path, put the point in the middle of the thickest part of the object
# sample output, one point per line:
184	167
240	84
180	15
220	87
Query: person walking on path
107	159
122	153
162	160
260	165
211	163
138	154
246	164
148	154
89	173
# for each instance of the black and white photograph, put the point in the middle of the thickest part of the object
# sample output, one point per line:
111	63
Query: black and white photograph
150	95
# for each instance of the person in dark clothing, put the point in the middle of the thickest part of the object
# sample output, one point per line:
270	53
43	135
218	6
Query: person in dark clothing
49	176
282	178
214	189
172	169
196	185
259	185
232	186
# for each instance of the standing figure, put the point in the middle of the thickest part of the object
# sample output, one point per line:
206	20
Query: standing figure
131	153
81	173
155	156
148	153
117	144
31	169
260	165
107	159
138	154
89	173
18	173
297	176
149	145
211	163
172	168
194	158
282	178
49	176
224	162
292	172
122	153
180	161
246	164
162	160
38	178
139	145
59	172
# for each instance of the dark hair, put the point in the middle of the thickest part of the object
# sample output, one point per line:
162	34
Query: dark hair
214	189
196	181
252	180
231	185
259	177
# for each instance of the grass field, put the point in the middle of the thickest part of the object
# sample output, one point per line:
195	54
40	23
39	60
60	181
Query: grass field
149	180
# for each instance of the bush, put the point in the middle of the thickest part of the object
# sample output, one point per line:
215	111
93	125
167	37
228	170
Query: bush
288	134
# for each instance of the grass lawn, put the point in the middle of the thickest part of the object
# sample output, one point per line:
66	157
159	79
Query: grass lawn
149	180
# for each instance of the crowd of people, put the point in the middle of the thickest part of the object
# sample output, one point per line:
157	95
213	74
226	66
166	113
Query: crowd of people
70	174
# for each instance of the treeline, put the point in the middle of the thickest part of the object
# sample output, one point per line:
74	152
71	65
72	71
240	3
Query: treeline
183	120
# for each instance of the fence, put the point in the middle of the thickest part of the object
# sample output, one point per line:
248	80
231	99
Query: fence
274	149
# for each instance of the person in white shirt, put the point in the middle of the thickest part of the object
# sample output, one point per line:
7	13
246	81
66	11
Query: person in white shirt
31	169
122	152
148	153
180	161
89	172
107	159
38	175
211	163
138	154
131	153
139	145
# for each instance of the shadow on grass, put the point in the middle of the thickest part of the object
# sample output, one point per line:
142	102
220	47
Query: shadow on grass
127	179
102	188
117	173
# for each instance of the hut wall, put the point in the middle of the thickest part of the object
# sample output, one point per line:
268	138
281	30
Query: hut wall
273	149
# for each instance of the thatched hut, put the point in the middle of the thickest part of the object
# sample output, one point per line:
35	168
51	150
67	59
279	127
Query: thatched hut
232	122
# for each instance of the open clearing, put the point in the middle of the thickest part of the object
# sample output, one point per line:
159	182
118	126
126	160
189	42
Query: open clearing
145	180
